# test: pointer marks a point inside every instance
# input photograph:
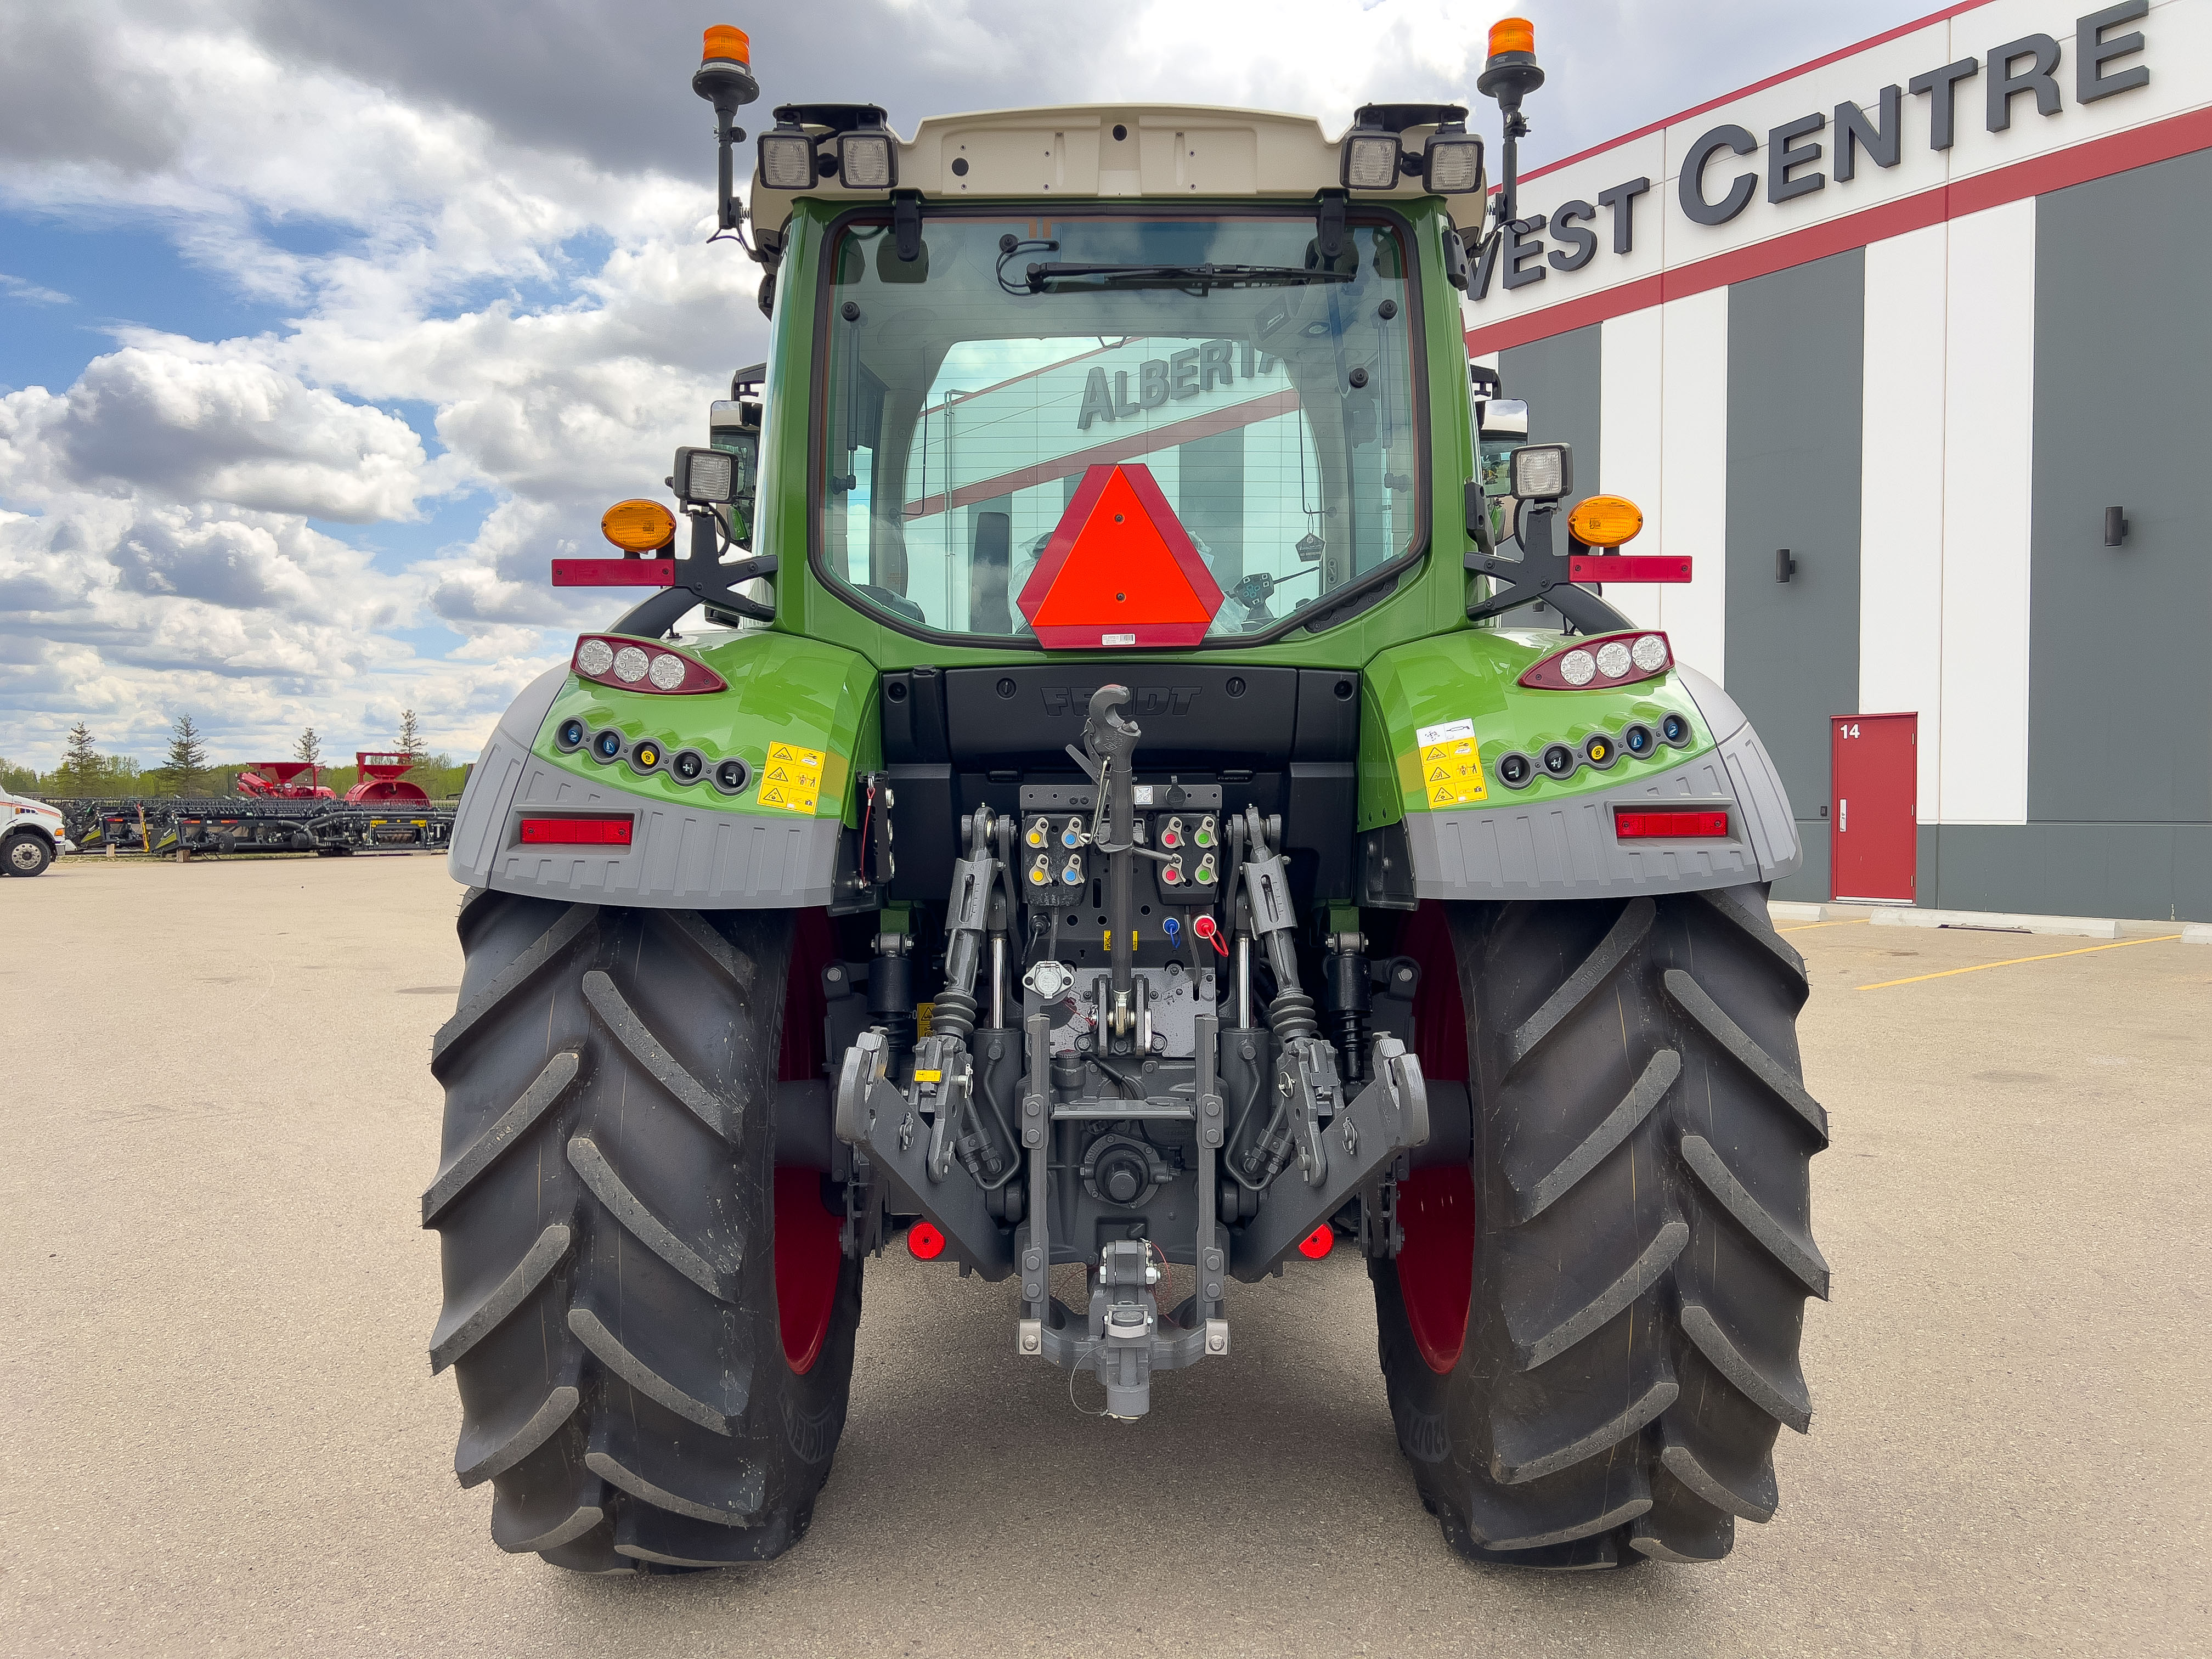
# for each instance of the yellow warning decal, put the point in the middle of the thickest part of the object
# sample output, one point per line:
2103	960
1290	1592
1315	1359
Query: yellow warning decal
923	1075
791	778
1451	773
923	1012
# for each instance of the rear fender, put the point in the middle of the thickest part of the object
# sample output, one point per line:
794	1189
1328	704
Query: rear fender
801	715
1438	821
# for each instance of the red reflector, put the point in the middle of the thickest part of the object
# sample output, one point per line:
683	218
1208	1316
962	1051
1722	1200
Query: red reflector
576	832
1120	569
1318	1242
614	573
1627	567
1637	826
924	1241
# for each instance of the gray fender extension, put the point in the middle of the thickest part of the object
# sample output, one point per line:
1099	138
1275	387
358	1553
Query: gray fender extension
680	857
1567	849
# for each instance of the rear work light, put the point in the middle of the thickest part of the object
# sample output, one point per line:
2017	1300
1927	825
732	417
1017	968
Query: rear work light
866	160
1452	161
1699	822
1602	660
577	832
1369	160
786	157
642	666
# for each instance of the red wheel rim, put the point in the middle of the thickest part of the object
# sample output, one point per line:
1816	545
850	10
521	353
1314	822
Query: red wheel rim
1436	1207
808	1263
1435	1267
809	1260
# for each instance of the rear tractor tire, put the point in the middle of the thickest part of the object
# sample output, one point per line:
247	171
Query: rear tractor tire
651	1323
1590	1337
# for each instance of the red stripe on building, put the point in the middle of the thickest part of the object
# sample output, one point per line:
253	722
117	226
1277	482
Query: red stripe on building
1247	413
2099	158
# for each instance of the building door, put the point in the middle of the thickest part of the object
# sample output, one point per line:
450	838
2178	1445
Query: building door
1875	777
1796	362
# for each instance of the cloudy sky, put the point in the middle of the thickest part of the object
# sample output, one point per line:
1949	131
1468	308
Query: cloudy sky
325	325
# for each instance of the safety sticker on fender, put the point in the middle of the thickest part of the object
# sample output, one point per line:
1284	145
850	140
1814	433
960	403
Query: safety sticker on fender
1451	765
792	778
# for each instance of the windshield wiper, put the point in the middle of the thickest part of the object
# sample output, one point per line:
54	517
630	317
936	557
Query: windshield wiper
1188	276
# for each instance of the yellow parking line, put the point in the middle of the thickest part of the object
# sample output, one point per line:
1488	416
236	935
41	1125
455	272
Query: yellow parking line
2013	962
1851	921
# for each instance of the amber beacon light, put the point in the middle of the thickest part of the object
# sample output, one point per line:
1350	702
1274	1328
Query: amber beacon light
1508	35
1605	521
725	79
638	526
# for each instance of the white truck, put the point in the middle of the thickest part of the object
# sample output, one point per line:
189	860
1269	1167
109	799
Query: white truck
32	834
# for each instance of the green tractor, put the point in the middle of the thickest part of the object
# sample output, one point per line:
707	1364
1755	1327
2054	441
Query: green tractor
1101	801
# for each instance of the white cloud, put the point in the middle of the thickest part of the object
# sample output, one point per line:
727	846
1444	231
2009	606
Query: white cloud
512	241
188	425
15	288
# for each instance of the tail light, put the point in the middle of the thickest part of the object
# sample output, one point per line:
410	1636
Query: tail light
1696	823
1603	659
578	832
642	666
924	1242
1318	1242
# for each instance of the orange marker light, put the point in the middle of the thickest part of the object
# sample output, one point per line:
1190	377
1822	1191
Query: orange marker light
1512	34
1605	521
924	1241
1318	1242
723	41
638	526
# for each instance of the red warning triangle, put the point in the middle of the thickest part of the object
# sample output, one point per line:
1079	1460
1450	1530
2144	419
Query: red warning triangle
1120	570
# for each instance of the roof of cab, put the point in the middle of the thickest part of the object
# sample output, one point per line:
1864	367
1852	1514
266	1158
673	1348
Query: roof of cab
1162	150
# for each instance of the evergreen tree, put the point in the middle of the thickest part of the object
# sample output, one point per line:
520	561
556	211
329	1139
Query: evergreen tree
80	768
309	748
410	739
188	759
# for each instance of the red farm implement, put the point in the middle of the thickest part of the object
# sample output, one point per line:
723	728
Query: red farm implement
383	782
284	780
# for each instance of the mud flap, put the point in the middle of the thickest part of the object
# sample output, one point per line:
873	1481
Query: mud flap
1390	1116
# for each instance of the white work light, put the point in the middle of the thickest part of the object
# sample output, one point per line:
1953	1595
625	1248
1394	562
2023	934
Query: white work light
1371	159
1452	161
786	159
705	475
1542	472
866	160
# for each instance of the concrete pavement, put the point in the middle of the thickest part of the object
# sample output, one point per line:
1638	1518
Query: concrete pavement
225	1438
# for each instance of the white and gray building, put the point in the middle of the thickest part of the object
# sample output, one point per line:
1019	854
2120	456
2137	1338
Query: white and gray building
1922	312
